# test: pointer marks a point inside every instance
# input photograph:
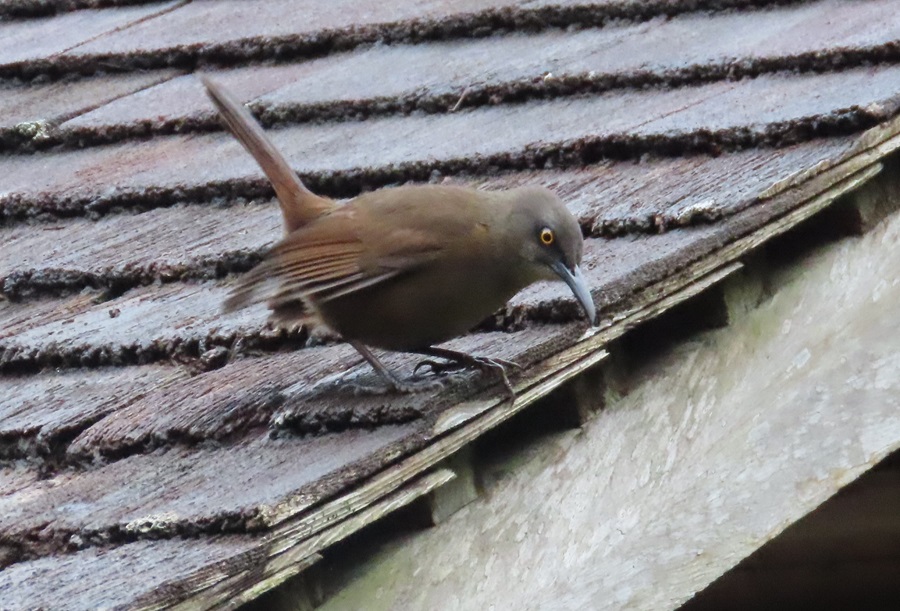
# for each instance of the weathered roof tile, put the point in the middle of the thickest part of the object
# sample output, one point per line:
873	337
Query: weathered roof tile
30	113
767	110
214	405
435	75
95	577
126	250
25	41
39	412
142	326
183	491
122	251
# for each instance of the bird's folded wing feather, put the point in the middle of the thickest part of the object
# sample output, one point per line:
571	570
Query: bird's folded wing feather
319	268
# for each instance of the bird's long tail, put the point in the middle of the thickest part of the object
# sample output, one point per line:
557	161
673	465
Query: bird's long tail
299	205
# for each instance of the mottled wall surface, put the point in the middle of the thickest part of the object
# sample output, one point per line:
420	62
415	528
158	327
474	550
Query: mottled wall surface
722	442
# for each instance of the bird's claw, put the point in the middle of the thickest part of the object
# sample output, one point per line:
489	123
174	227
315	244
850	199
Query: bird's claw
499	366
434	367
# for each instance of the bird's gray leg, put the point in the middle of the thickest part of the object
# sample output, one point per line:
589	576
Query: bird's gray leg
377	365
393	382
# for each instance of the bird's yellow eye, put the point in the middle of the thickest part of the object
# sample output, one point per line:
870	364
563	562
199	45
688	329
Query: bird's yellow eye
547	237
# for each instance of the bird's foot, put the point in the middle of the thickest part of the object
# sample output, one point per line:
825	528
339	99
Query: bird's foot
458	361
392	384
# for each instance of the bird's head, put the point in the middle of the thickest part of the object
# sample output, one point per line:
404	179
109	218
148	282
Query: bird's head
550	241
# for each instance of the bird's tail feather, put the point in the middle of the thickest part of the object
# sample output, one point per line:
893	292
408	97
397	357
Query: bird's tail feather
299	205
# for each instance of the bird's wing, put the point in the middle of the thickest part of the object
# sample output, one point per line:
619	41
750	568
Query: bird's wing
329	260
322	272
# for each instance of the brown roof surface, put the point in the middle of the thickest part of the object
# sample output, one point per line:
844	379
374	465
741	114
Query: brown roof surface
144	433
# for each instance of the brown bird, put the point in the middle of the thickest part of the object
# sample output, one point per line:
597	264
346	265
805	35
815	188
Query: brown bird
403	268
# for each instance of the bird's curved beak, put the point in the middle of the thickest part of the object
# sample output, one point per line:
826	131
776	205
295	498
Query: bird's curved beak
575	279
